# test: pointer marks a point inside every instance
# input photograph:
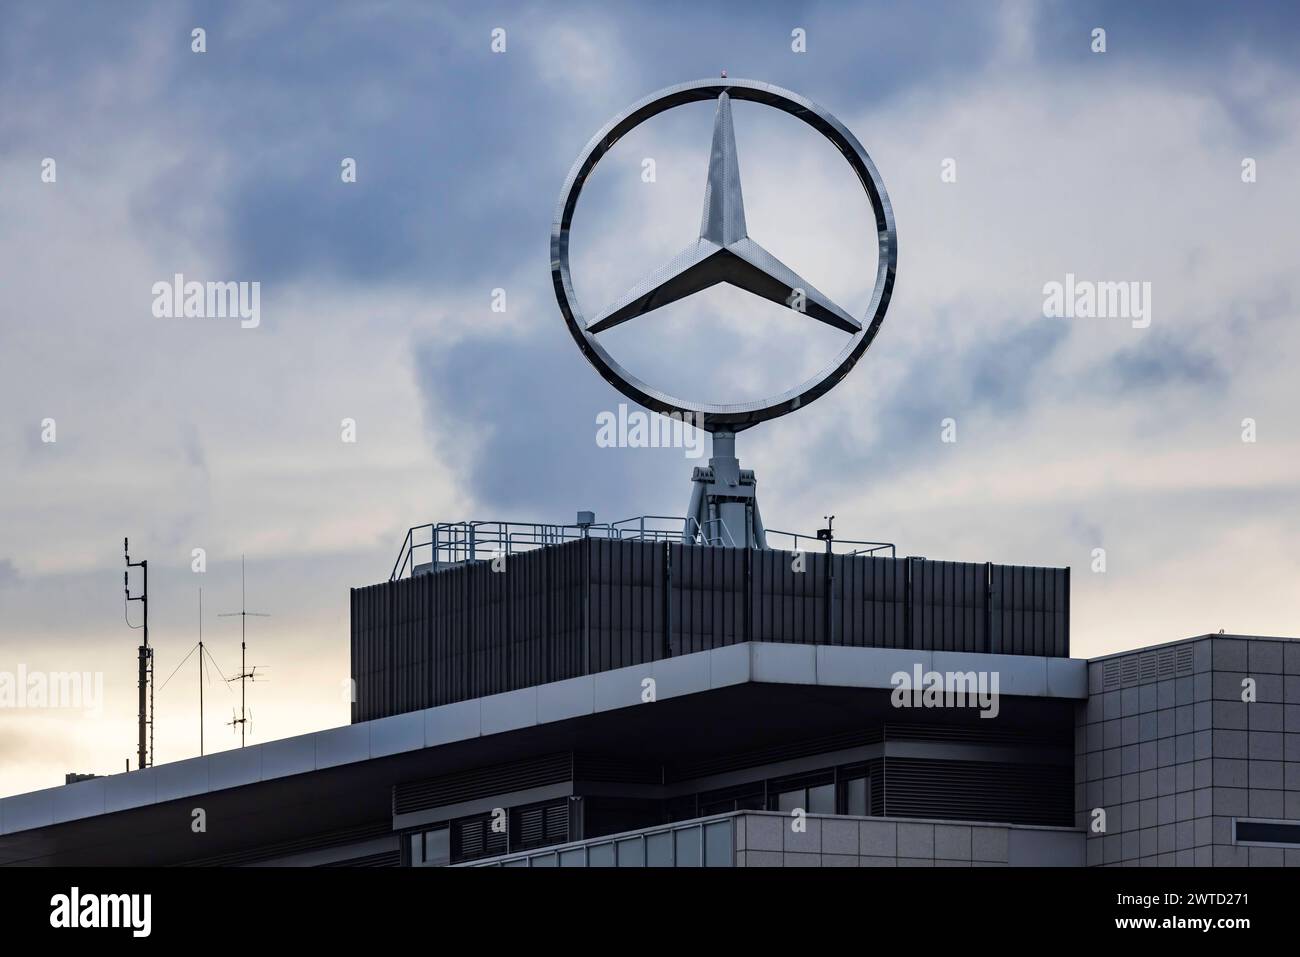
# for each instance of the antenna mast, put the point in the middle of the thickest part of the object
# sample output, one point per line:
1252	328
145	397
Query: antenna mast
145	750
200	672
245	673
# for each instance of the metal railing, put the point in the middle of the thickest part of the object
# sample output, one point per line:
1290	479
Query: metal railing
455	543
840	546
446	544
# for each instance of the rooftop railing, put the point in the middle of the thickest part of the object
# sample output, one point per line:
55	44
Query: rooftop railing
445	544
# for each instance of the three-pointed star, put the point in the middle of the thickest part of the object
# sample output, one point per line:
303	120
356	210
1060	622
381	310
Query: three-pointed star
724	253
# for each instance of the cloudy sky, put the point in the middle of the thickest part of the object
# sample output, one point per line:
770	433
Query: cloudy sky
376	296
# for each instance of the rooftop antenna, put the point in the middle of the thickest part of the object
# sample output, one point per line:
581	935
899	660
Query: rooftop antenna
236	719
144	756
202	649
200	672
245	673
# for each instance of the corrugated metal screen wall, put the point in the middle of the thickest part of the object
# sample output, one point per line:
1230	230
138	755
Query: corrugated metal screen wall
597	604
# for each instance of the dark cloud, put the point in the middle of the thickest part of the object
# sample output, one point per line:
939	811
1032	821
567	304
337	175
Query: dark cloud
518	418
994	375
1163	361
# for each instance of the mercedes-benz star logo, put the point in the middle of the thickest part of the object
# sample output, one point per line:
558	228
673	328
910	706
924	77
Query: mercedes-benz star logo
724	252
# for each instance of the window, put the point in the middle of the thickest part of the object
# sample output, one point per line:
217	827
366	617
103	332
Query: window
687	847
718	850
842	790
430	848
857	796
437	846
1268	832
631	853
747	797
821	799
792	800
659	849
814	794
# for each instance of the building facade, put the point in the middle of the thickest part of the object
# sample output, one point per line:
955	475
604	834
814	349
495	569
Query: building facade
605	702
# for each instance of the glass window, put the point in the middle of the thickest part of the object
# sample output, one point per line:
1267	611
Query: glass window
717	845
631	853
855	797
437	847
574	858
430	848
1268	832
543	860
601	855
792	800
688	846
726	800
659	849
821	799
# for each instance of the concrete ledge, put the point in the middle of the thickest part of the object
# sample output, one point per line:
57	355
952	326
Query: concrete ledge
508	711
783	664
228	769
124	791
683	675
180	779
562	700
343	745
83	799
844	668
452	722
296	755
22	812
397	733
620	688
1017	674
729	666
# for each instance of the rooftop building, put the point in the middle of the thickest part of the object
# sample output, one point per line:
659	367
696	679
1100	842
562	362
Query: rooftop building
616	696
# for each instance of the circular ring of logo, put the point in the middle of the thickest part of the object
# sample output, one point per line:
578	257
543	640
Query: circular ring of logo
725	417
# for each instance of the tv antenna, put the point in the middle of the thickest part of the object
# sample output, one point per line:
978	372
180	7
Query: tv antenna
144	756
236	719
202	649
245	673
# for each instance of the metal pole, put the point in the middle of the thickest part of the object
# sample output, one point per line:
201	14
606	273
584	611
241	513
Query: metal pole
148	653
144	748
200	672
243	646
244	674
141	760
